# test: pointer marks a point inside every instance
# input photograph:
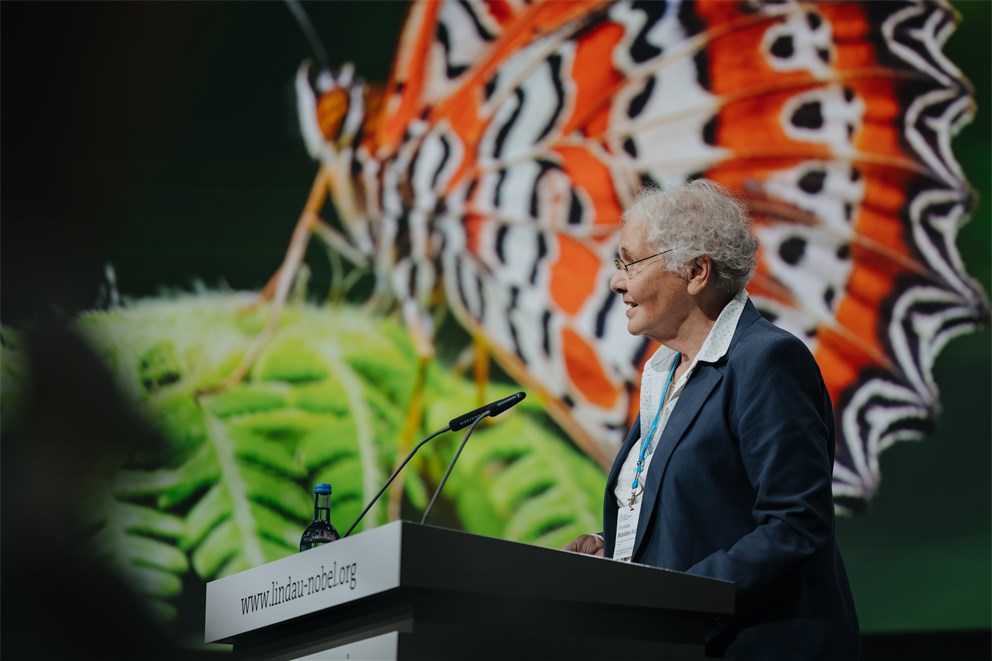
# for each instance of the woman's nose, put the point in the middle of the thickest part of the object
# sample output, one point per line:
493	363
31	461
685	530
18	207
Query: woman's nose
618	282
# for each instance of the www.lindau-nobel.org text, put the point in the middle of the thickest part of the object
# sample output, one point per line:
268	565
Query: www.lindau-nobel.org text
325	579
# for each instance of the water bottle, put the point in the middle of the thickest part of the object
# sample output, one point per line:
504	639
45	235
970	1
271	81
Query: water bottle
321	531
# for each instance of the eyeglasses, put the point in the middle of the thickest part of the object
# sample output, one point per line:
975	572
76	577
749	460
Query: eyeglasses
626	267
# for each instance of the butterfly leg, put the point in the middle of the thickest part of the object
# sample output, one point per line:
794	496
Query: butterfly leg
481	368
278	288
476	357
420	327
332	238
413	421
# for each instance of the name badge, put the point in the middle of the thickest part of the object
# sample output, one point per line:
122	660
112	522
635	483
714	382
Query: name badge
626	532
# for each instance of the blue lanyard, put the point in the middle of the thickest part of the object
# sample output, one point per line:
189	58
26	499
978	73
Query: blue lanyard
654	425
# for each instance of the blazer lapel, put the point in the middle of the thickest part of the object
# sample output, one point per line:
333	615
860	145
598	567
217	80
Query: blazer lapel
695	394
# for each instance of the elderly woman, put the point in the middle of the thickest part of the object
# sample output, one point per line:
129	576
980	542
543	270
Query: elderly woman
727	472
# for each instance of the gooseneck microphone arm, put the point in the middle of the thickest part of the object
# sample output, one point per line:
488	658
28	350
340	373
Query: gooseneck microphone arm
393	477
451	464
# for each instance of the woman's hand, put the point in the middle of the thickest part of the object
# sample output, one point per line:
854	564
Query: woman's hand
587	544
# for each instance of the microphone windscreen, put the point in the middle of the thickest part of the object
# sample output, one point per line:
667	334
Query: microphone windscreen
506	403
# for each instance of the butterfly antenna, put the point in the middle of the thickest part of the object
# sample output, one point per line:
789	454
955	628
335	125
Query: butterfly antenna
306	26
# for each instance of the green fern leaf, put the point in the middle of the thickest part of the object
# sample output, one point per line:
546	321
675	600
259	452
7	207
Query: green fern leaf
309	411
326	401
141	545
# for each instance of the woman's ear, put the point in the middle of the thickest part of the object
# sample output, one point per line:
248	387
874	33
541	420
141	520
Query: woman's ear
699	274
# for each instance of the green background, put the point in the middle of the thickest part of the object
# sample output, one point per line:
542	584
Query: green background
161	138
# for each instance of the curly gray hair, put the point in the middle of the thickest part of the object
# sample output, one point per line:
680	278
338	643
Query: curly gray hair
697	218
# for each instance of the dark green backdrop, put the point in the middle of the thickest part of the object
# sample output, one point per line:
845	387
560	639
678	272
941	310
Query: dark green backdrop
161	138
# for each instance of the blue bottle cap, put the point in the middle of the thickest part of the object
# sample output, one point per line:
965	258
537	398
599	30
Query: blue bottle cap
322	488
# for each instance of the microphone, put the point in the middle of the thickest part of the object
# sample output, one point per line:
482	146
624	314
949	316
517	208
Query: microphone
470	418
492	409
473	418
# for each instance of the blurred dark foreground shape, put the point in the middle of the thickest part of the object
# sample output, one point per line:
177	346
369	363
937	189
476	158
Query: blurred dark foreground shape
70	427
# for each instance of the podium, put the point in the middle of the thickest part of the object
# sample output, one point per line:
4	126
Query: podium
409	591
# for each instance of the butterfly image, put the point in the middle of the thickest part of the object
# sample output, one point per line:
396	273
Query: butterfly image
489	174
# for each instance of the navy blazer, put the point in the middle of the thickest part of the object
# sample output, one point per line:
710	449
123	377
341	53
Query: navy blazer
740	489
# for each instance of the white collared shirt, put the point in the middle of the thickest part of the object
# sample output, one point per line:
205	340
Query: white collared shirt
653	379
